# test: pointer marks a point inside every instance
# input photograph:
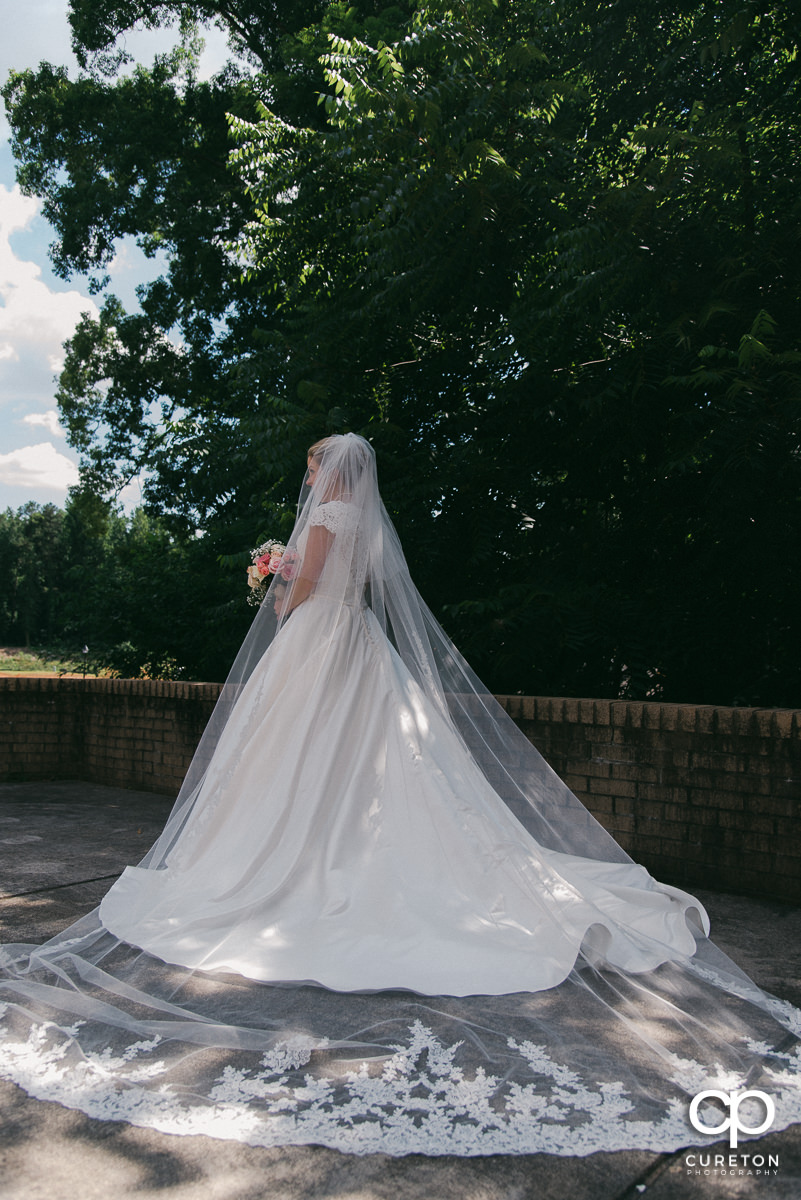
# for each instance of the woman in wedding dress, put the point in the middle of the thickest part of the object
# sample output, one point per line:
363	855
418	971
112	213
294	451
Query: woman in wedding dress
376	919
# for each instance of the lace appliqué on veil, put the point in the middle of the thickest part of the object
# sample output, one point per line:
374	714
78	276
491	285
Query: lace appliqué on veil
417	1100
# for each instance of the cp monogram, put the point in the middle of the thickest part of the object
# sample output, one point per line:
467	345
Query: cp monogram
732	1100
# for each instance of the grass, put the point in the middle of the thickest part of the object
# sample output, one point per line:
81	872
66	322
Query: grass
39	661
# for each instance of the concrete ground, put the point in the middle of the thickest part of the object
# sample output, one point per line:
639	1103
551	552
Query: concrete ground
62	844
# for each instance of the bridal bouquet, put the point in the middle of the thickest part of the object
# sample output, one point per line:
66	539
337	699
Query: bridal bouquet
269	559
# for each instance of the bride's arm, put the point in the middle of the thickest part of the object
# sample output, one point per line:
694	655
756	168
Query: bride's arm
315	554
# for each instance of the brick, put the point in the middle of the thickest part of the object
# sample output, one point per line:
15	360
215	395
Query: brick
687	718
618	824
783	722
596	769
764	718
787	789
611	787
694	777
648	844
605	750
705	777
635	773
717	799
704	853
676	769
723	721
705	719
788	830
672	868
644	715
670	833
746	821
648	809
740	721
660	791
787	866
755	764
752	784
668	718
599	804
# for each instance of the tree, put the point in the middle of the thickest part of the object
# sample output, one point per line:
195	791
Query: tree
503	192
534	251
32	559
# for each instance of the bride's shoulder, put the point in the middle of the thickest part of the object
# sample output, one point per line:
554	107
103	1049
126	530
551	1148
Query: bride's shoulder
333	514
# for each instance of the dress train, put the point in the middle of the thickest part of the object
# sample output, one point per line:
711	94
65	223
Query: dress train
344	836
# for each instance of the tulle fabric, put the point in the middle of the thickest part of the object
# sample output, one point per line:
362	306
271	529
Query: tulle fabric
377	920
395	830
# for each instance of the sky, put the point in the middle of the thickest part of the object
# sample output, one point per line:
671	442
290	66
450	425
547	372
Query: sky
39	311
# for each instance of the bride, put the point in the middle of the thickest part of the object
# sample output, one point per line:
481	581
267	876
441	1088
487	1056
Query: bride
377	920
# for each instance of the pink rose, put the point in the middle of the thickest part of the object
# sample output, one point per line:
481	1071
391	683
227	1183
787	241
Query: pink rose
263	564
275	563
289	564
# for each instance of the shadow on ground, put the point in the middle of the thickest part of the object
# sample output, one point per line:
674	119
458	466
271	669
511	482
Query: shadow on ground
61	844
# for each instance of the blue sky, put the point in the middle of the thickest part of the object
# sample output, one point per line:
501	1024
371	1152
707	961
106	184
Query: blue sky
38	311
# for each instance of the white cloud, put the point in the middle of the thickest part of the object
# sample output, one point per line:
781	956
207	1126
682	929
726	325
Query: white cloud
38	313
121	260
48	419
16	211
39	466
33	319
131	495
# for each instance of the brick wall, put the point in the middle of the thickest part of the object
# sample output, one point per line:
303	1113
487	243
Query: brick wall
701	795
127	733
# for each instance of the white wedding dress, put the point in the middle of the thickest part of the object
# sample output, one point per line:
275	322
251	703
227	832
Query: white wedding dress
377	920
345	836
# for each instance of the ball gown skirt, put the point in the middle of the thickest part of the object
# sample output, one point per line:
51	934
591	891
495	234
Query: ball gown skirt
354	843
353	941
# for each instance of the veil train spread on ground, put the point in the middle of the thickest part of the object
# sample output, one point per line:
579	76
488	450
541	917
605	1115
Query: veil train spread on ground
377	920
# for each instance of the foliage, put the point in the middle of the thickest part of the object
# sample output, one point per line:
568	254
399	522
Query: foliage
540	253
43	660
548	250
142	601
32	551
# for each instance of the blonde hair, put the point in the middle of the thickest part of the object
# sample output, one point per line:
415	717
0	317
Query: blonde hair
357	461
319	448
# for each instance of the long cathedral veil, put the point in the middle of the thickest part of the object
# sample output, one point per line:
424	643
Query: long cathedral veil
605	1060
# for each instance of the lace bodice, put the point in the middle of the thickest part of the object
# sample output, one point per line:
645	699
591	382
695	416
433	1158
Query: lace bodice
342	565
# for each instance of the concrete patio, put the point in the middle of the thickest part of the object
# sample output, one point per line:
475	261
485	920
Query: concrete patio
61	845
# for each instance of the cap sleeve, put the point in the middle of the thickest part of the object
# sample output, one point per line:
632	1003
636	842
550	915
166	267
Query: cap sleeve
332	515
